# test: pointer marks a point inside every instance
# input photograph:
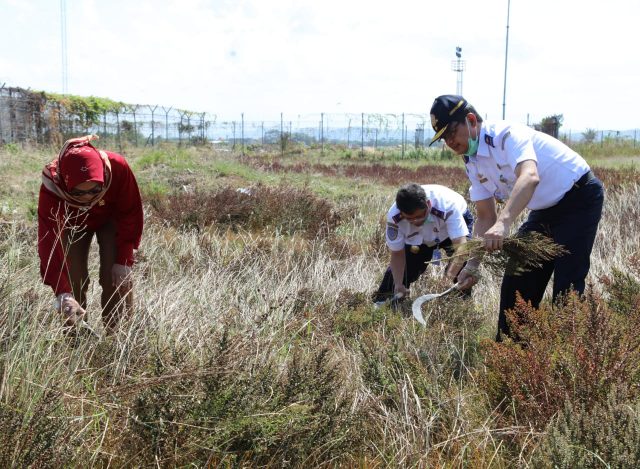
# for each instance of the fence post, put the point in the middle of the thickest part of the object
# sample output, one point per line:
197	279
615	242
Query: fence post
602	138
634	137
11	117
375	142
362	137
1	134
322	134
180	128
234	135
281	135
262	132
118	131
60	120
166	123
153	125
134	108
242	131
403	135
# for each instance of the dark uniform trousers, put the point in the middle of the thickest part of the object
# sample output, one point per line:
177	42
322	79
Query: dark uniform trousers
115	302
416	263
573	223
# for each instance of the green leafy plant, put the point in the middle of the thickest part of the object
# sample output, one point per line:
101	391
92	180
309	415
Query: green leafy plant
606	434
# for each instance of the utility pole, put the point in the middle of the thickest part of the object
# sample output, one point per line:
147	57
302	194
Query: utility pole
63	37
506	55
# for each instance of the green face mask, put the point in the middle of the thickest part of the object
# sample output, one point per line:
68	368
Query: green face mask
473	143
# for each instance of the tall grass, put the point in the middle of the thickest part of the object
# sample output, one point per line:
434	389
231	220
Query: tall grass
256	346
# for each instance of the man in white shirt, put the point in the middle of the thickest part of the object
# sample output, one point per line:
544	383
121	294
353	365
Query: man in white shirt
523	168
423	219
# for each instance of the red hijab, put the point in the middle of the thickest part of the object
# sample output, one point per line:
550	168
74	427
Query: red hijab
78	161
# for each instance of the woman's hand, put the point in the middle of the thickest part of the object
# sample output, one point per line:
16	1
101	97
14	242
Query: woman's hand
71	310
121	276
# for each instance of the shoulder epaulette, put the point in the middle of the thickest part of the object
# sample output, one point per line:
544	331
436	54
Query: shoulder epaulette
397	218
440	214
488	139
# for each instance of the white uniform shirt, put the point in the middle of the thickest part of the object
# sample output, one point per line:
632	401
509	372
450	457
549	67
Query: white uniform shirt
444	221
503	145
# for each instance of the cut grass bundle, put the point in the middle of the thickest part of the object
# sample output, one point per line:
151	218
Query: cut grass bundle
520	253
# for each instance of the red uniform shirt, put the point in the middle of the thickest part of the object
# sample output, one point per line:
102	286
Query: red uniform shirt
121	203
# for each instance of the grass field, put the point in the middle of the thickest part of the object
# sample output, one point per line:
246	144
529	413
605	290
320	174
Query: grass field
254	344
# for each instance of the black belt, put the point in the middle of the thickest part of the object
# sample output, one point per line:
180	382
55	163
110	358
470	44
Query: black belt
586	177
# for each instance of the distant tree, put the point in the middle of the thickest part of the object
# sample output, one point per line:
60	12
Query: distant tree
550	125
589	135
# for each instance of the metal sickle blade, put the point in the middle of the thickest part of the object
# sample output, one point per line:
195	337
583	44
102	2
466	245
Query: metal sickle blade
416	307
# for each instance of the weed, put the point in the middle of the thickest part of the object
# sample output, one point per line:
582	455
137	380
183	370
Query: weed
36	434
605	434
283	209
577	351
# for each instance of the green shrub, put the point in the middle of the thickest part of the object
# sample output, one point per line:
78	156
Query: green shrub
11	148
605	435
35	435
269	409
623	292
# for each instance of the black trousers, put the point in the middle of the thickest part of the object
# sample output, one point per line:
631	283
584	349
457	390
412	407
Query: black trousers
573	223
416	264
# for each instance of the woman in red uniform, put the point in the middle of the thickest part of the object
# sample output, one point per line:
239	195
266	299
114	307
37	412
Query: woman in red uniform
86	191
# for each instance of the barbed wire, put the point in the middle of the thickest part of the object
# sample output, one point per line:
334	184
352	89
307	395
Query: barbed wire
26	116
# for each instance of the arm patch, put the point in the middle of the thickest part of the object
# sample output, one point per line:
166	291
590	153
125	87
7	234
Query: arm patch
392	232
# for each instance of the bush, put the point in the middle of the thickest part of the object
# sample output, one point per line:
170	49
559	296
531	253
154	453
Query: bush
285	209
390	174
35	437
606	435
623	292
577	352
242	405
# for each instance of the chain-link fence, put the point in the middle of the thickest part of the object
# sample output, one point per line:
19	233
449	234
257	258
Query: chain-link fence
26	116
36	117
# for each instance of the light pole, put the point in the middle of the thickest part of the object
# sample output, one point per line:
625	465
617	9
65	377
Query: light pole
63	41
458	66
506	55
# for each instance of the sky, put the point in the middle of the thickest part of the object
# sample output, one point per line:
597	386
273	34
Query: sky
578	58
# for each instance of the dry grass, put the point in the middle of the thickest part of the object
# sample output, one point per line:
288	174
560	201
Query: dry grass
258	348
